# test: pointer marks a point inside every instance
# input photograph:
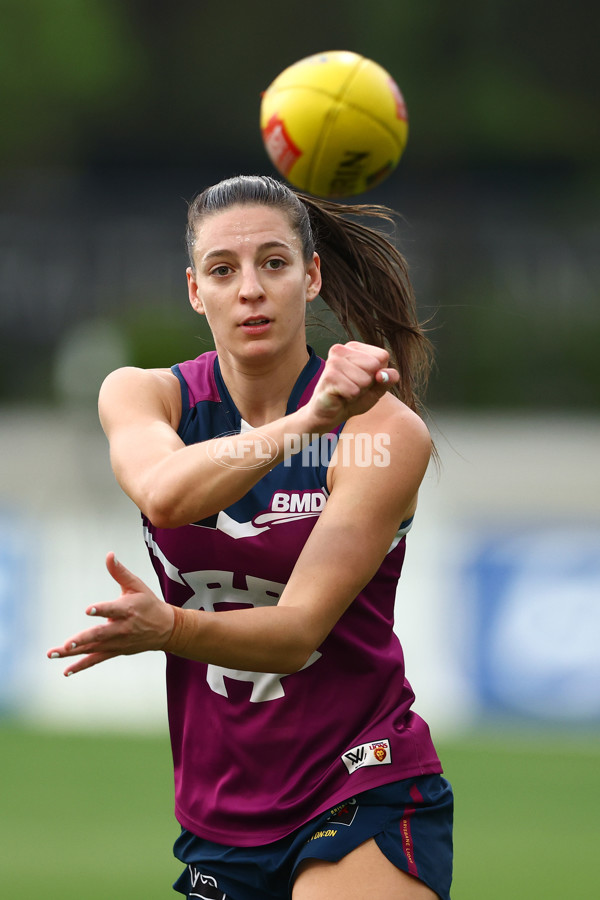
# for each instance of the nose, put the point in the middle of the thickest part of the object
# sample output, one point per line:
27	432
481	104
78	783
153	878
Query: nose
250	285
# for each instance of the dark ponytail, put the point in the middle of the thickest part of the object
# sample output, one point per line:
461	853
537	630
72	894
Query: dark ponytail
365	278
367	286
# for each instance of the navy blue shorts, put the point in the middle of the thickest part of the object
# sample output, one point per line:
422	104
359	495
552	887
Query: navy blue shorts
410	820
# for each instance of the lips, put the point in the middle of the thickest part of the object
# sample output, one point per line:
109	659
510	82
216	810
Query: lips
252	321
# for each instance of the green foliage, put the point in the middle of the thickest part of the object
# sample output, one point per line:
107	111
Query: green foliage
65	66
493	352
112	81
160	335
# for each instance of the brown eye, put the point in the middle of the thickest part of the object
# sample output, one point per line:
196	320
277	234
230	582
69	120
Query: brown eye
220	271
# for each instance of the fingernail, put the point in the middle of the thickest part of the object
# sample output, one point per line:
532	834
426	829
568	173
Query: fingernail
93	611
116	561
68	673
55	655
73	645
385	377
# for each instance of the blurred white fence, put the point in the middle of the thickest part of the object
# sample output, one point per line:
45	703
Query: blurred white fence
498	608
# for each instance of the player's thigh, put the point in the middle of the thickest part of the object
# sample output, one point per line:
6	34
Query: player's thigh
365	872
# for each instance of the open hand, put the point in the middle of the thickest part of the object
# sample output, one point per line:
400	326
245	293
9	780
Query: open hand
137	621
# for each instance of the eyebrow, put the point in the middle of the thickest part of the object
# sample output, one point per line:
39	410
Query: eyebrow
268	245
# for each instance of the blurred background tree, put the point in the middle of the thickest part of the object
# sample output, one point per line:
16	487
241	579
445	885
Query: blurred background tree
115	112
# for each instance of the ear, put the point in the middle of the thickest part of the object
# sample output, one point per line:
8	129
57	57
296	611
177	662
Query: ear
193	295
313	275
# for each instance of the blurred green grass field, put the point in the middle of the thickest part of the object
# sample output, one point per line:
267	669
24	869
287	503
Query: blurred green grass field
91	815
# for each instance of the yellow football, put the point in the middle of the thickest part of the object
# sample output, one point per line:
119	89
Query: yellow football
334	124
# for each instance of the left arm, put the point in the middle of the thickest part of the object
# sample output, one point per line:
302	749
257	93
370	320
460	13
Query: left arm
344	550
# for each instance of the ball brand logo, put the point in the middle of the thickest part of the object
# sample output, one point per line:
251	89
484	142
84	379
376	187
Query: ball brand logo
348	171
279	145
250	450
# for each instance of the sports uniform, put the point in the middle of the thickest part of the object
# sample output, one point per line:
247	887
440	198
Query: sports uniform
258	756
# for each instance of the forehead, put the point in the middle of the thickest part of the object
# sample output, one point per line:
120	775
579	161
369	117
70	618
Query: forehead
240	225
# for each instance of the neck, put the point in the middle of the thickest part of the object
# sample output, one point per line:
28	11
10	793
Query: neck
260	388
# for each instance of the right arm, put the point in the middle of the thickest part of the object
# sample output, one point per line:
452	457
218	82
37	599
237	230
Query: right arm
175	484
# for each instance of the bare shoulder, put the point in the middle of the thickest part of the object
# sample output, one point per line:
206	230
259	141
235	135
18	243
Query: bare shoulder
131	391
404	428
401	450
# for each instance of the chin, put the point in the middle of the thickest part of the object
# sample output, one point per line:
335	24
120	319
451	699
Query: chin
259	347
